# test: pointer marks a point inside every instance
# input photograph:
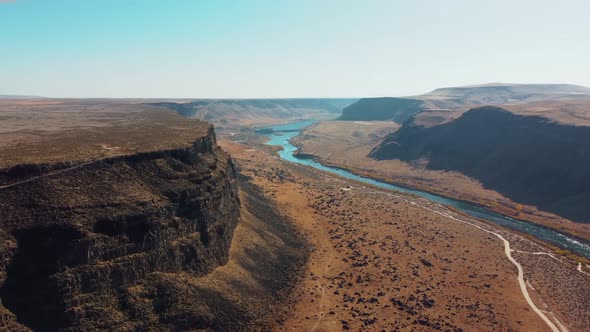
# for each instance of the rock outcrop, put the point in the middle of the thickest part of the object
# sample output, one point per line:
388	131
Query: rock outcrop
81	242
528	159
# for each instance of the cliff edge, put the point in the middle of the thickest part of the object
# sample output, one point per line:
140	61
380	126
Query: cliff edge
86	228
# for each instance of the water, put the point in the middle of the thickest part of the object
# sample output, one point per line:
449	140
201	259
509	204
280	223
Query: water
544	234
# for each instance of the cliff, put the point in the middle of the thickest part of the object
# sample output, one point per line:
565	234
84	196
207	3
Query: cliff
82	241
380	109
528	159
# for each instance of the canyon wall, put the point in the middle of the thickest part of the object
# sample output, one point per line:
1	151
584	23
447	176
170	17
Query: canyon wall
81	243
381	109
529	159
228	113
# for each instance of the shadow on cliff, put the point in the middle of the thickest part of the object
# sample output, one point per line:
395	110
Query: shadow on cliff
123	264
271	252
250	293
528	159
29	291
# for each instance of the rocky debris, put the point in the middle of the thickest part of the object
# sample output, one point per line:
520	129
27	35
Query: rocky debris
425	262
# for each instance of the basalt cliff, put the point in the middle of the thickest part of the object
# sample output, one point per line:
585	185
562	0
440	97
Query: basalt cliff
87	237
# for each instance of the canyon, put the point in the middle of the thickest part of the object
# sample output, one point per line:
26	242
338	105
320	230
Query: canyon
526	158
383	260
289	166
232	113
131	215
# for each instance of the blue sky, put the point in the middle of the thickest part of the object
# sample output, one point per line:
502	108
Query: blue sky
272	49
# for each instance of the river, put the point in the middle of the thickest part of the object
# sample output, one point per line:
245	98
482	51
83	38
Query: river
282	135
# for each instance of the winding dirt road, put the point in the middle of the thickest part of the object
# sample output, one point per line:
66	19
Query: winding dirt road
555	325
322	296
508	253
45	175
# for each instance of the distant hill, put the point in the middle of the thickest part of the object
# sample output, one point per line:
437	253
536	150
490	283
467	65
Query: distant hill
246	112
500	93
459	99
528	159
381	109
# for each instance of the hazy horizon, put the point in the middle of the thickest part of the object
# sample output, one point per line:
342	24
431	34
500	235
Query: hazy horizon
286	98
285	49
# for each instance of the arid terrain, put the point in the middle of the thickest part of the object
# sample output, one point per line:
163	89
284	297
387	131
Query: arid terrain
294	166
347	144
383	261
249	113
564	103
53	130
119	215
48	129
524	157
116	216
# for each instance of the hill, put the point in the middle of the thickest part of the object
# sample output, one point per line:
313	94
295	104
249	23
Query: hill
529	159
257	112
382	109
499	93
445	104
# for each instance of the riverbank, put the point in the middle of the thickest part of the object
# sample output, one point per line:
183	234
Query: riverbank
554	248
346	151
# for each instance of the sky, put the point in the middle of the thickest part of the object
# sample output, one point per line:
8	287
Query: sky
280	49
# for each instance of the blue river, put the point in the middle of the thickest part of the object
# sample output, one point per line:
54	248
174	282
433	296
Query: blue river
282	134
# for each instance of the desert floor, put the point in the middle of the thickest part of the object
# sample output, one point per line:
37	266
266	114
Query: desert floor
381	261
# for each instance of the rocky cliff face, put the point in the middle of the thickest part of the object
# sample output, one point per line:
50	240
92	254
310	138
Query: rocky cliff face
528	159
80	245
380	109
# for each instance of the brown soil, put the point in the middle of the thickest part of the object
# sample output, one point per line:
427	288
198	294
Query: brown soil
82	130
381	262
